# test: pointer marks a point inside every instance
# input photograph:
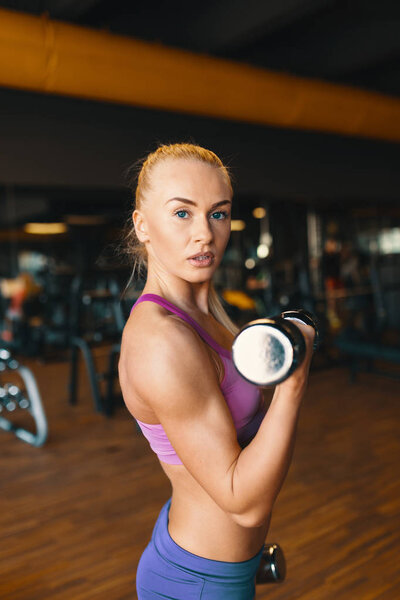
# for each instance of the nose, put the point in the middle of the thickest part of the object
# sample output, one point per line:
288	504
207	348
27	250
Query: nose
203	230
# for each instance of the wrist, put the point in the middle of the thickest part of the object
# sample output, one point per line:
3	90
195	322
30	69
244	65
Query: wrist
292	388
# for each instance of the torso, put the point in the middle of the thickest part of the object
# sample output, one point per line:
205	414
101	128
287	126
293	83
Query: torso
196	522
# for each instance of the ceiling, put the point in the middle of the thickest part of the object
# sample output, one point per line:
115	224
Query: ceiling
355	42
59	148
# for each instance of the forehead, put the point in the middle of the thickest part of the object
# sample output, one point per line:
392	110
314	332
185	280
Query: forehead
178	176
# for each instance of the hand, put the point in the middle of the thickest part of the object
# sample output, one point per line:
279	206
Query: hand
297	381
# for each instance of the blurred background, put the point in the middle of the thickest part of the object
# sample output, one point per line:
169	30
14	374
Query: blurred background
300	98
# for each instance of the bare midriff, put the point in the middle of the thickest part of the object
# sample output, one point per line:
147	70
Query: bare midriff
200	526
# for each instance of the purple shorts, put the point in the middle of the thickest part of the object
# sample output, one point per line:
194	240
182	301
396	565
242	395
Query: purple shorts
168	572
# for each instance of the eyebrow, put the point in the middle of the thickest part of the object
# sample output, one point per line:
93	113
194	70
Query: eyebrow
186	201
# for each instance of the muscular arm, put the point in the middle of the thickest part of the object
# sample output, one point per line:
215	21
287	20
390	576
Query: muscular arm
261	468
175	376
270	452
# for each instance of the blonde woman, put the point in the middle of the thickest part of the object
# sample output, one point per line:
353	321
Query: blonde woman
224	453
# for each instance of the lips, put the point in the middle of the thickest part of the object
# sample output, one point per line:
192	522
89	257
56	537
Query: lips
206	254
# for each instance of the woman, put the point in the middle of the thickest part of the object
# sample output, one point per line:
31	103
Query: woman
224	454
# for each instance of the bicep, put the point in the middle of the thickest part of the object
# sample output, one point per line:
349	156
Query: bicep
179	382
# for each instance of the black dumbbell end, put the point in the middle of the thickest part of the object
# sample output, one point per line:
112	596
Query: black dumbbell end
307	317
272	567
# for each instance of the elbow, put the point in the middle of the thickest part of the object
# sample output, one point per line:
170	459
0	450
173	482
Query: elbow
252	518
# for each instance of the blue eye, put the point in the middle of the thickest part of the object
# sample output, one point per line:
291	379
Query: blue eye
222	214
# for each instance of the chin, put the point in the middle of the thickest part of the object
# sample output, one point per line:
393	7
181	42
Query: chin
199	277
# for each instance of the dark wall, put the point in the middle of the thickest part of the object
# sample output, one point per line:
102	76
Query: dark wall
51	140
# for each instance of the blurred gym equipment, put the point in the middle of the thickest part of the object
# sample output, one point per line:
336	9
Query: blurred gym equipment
96	316
377	338
12	398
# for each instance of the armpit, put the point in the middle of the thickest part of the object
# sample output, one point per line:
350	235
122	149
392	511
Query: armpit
217	362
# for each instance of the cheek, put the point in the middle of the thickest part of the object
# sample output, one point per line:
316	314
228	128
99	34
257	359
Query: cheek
165	237
223	235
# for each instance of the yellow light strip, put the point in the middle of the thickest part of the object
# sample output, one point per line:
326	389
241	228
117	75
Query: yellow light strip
45	228
237	225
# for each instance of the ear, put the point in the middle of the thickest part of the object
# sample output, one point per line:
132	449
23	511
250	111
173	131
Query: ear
139	223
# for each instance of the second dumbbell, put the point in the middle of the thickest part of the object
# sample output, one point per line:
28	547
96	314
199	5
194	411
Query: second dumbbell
272	567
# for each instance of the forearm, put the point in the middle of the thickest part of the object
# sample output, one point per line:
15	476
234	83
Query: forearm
262	466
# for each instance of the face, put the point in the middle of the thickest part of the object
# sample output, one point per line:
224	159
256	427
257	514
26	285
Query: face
186	212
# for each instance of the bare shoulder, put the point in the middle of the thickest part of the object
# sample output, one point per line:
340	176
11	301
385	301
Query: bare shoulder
160	352
173	357
135	338
152	329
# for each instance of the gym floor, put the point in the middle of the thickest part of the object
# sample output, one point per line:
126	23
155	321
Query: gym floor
77	513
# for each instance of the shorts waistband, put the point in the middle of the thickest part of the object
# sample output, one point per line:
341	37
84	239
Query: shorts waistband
170	550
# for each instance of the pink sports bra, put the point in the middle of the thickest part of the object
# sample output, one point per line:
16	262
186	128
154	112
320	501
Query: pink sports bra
244	399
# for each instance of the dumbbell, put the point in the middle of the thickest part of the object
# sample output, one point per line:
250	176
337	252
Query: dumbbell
272	567
7	361
267	351
5	400
16	395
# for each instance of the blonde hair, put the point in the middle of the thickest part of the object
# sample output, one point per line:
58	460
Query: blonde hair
139	178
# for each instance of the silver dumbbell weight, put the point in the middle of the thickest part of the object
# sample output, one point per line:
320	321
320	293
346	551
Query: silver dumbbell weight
267	351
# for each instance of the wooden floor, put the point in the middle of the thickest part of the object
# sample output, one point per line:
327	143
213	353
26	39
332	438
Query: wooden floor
76	514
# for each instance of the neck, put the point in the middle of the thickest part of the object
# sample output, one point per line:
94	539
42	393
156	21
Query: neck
190	297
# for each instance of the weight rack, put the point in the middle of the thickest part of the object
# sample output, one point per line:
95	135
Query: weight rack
31	401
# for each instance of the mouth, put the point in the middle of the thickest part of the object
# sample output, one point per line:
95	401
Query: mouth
202	260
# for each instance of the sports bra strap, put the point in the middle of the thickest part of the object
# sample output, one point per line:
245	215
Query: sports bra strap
174	309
